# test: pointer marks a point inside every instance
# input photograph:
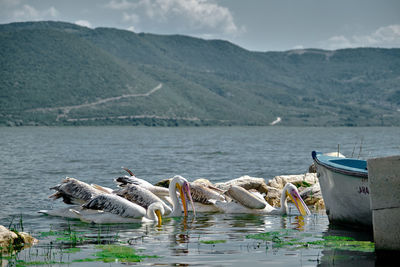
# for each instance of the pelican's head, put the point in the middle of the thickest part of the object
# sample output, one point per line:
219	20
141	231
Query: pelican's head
293	194
155	212
183	187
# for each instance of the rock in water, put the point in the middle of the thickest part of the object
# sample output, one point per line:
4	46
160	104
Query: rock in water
15	239
247	183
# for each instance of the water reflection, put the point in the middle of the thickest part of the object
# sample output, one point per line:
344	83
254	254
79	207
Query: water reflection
347	257
178	236
220	239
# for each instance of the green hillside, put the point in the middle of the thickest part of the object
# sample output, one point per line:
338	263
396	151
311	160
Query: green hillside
56	73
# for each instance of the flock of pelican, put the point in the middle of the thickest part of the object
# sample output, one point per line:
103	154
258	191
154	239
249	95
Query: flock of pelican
136	200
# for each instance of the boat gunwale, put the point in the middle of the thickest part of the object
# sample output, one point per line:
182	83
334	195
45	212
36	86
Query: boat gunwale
360	174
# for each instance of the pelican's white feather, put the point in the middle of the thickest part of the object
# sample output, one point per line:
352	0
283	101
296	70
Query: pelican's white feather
141	196
74	191
290	190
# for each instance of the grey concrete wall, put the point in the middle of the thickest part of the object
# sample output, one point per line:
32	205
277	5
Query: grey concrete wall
384	185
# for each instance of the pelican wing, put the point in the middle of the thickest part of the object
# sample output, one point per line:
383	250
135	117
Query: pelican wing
245	198
125	180
157	190
74	191
203	194
116	205
141	196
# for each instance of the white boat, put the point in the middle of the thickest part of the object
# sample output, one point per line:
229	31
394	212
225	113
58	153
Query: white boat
344	187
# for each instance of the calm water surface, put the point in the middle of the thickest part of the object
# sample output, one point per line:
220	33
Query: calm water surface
32	159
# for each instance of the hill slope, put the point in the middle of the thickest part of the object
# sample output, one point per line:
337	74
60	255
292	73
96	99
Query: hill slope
55	73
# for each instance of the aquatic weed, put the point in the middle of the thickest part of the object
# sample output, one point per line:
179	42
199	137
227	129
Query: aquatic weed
213	242
113	253
283	239
16	227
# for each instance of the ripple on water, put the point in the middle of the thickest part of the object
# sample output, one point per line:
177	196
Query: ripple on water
36	158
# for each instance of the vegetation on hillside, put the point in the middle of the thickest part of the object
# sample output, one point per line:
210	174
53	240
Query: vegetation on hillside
56	73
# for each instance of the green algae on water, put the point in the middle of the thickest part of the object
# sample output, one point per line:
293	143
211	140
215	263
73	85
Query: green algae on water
115	253
21	263
213	242
106	253
296	241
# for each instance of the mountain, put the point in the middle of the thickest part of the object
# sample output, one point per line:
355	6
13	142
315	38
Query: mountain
56	73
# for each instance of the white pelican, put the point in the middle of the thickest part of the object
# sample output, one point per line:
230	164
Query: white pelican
177	183
141	196
203	197
202	192
74	191
111	208
159	191
114	209
244	202
66	212
182	185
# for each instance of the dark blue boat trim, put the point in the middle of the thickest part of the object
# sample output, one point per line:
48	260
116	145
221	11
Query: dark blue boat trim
362	173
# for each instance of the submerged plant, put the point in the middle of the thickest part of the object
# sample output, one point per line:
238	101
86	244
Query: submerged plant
113	253
284	239
213	242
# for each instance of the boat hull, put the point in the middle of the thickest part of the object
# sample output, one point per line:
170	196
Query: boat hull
346	196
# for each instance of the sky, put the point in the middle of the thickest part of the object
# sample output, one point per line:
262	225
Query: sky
257	25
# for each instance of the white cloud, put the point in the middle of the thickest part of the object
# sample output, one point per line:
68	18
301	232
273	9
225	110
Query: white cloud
296	47
120	4
131	28
201	16
130	18
27	12
52	12
387	37
84	23
338	42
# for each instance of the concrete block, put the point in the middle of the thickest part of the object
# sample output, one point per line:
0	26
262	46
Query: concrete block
384	186
386	229
384	182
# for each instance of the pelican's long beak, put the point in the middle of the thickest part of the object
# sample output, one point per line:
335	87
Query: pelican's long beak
158	213
182	195
186	189
298	201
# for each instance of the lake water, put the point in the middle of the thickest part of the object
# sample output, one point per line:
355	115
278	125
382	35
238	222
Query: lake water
32	159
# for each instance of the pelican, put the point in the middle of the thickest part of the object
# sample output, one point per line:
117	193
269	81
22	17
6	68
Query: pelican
202	193
159	191
115	209
182	185
245	202
141	196
204	197
74	191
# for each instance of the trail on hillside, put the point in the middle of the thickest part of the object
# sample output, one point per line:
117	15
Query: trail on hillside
66	109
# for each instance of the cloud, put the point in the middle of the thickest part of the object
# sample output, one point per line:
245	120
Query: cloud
386	37
199	16
130	18
84	23
27	12
296	47
131	28
120	4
